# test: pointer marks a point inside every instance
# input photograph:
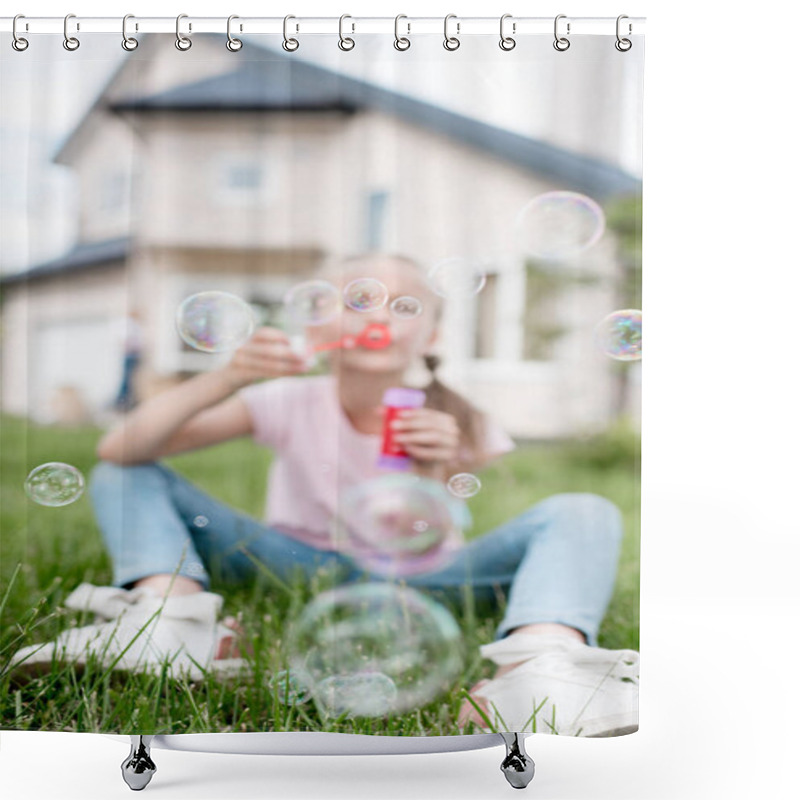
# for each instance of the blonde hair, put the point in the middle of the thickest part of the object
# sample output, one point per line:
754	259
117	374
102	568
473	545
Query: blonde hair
471	420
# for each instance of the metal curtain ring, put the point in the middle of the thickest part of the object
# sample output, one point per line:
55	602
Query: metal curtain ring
345	42
128	42
70	42
289	44
451	42
18	42
233	44
182	42
401	42
506	42
623	45
561	43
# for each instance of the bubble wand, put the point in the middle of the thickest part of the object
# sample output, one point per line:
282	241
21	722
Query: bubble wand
374	337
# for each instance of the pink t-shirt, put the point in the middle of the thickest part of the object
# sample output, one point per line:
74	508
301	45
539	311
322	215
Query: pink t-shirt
318	453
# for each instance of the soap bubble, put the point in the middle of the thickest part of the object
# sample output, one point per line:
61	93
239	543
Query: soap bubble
54	484
559	225
289	689
457	277
366	639
619	335
215	322
365	294
365	694
312	302
464	485
399	525
406	307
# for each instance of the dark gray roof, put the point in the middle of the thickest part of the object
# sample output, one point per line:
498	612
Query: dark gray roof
282	82
83	256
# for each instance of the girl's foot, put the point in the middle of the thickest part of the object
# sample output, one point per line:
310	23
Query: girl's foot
137	630
232	639
555	684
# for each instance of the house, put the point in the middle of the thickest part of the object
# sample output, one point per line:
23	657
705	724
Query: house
242	173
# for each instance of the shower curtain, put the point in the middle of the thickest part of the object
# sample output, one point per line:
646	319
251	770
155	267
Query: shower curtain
321	367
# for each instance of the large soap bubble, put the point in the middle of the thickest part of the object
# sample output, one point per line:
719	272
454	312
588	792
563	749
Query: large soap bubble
619	335
312	302
406	307
457	277
365	294
371	649
399	524
464	484
54	484
215	322
556	226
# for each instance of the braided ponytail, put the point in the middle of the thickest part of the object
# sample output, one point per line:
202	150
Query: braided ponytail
470	420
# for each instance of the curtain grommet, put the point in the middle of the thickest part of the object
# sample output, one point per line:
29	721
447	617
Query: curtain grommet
507	43
233	44
19	43
183	43
451	43
401	43
289	44
561	43
71	43
129	43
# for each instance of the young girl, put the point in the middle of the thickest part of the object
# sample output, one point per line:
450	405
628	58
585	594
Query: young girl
557	561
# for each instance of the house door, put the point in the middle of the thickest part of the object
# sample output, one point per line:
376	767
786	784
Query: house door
77	369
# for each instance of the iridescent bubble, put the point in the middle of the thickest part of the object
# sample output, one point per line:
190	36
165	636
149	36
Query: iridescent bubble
399	525
559	225
365	694
312	302
457	277
619	335
464	485
289	689
54	484
200	521
365	638
406	307
365	294
195	569
215	322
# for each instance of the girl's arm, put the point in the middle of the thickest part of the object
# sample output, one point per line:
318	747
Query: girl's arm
197	413
201	411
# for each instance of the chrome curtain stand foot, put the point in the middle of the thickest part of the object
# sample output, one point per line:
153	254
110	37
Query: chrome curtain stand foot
517	766
138	768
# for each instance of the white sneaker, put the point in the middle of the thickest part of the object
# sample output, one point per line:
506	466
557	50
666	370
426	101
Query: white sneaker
138	630
563	687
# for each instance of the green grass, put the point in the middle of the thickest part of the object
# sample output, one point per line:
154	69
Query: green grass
46	552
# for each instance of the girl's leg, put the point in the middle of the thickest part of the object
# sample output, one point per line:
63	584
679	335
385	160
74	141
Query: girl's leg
559	559
155	522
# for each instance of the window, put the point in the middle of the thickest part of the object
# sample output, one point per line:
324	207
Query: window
242	179
486	319
111	191
541	326
246	177
375	234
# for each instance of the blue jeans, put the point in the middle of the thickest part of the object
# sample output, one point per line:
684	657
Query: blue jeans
556	561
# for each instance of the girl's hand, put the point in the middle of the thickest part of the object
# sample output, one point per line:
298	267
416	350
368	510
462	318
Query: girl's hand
266	354
430	437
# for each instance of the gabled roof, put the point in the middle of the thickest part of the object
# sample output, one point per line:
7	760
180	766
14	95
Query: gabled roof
84	255
285	83
282	82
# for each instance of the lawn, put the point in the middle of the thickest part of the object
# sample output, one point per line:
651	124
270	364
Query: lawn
49	551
